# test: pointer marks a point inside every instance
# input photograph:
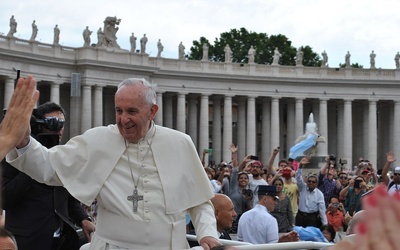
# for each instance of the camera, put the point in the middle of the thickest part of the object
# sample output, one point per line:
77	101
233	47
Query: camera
286	173
254	157
336	204
247	192
332	157
357	183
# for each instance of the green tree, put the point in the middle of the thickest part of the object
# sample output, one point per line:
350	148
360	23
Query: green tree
353	65
240	41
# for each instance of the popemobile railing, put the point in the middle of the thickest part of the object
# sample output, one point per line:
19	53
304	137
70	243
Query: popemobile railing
270	246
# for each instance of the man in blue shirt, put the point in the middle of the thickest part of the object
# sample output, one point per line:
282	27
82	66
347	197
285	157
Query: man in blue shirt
312	210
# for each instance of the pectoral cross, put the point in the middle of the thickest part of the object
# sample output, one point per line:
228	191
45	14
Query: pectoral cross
135	198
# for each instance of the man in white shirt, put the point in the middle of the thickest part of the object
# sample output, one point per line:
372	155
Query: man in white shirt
258	226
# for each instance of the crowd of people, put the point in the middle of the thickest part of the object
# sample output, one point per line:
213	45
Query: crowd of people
127	170
330	199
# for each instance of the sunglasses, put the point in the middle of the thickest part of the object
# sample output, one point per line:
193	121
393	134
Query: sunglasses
396	174
309	181
343	177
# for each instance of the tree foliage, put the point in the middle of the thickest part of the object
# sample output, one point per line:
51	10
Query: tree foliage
240	42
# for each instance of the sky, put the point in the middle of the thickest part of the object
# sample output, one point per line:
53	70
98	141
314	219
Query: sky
357	26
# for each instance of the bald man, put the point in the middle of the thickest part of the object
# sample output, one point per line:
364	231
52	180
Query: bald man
224	213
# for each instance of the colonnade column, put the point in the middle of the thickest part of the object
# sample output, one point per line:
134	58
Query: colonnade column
299	120
86	116
159	116
55	92
396	128
291	128
192	118
8	91
275	132
251	126
168	113
323	126
241	128
203	130
181	113
98	106
265	130
347	132
216	128
227	134
372	133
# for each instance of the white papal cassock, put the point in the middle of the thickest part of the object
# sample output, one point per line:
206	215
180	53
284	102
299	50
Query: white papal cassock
96	165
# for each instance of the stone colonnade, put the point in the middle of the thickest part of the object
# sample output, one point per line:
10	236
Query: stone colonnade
256	124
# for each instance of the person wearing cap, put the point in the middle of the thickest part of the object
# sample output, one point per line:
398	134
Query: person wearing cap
312	210
258	226
393	185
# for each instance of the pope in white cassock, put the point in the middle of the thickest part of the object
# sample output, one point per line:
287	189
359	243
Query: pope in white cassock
145	177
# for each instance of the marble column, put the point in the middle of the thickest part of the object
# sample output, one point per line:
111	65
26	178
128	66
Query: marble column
323	126
275	131
192	118
227	129
241	128
340	133
291	128
396	128
8	91
216	128
372	133
299	117
168	111
348	132
204	129
251	126
55	92
98	106
266	130
181	113
159	116
86	122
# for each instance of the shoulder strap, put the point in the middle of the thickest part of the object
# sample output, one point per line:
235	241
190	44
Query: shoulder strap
390	185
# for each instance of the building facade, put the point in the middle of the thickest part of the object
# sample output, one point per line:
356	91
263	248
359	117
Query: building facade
257	107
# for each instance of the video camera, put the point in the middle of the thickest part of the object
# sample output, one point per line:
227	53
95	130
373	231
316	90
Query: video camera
53	124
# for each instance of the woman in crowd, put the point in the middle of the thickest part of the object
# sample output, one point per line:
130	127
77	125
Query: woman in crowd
353	193
283	209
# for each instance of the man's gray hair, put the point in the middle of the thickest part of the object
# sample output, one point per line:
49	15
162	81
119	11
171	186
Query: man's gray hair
150	89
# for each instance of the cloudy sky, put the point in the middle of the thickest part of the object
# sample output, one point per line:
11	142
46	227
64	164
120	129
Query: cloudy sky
358	26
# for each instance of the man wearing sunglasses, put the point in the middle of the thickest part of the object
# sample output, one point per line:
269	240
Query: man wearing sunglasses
312	210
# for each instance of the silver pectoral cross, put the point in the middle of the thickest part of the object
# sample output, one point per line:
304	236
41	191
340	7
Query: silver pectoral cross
135	198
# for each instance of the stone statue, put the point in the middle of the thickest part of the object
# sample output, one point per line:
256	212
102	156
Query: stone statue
299	57
34	31
143	42
181	50
110	31
250	54
13	26
347	59
56	40
132	40
205	52
324	59
160	48
228	54
86	36
372	60
100	38
276	57
397	59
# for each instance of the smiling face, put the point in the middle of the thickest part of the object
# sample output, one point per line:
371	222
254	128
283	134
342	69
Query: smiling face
133	113
243	180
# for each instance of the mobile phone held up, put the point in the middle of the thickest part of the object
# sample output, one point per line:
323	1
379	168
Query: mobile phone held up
254	157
